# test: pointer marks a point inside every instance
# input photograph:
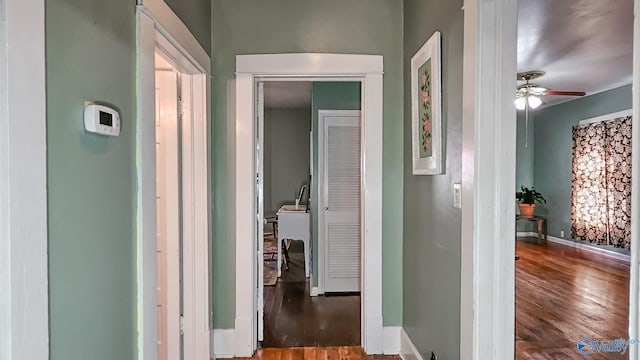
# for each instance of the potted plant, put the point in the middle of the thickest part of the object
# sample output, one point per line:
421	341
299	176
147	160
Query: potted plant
527	199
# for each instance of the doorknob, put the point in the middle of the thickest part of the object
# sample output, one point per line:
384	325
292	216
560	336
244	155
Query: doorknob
326	208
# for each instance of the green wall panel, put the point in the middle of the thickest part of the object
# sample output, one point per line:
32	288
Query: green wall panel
196	14
91	181
431	274
554	150
291	26
286	157
91	56
525	145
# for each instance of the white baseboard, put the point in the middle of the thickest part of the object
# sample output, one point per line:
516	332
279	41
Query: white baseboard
223	343
408	351
527	234
391	340
314	291
594	249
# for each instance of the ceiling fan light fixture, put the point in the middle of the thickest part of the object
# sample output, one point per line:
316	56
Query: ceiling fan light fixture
534	101
520	103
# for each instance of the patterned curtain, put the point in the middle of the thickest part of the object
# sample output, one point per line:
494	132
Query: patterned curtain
601	183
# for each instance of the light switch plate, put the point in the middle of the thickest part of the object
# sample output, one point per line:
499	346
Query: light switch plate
457	196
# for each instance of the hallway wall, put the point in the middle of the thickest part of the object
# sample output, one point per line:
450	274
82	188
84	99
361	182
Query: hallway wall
286	26
431	225
91	56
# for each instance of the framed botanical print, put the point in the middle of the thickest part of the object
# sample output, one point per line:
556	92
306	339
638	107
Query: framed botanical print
426	109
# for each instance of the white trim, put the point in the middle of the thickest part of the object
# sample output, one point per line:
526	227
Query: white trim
309	64
634	282
170	26
577	245
391	340
488	113
607	117
24	301
223	341
408	350
196	186
526	234
467	181
314	66
314	289
594	249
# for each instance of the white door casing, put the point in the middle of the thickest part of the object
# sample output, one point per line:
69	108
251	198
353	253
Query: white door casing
24	301
168	213
634	281
339	228
368	70
159	27
260	199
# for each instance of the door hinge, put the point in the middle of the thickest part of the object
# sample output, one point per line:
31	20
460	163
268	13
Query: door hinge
180	111
181	324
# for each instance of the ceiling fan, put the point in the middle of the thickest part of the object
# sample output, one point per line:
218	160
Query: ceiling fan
528	96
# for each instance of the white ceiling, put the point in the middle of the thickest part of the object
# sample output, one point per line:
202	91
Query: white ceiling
287	94
582	45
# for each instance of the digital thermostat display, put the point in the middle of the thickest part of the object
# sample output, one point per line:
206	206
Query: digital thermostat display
106	119
101	119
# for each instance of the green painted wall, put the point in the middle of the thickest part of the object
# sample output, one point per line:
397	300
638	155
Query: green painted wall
431	246
281	26
553	150
286	156
91	55
196	14
327	96
91	181
524	161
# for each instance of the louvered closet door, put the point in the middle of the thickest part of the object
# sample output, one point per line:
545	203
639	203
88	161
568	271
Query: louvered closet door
341	185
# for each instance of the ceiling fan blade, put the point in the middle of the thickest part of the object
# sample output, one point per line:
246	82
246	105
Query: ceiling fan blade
565	93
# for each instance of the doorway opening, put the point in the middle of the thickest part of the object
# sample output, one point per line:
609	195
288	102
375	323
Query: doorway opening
251	70
573	167
489	164
173	189
309	225
169	209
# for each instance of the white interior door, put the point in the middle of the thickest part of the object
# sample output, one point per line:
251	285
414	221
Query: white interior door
260	204
168	214
340	180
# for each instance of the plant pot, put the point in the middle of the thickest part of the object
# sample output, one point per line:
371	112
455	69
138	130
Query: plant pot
527	209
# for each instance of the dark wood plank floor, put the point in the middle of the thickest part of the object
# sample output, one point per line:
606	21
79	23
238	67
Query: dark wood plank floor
563	294
294	319
315	353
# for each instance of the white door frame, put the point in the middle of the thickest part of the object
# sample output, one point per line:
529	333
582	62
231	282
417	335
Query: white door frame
488	178
24	299
321	191
365	68
159	27
488	168
634	286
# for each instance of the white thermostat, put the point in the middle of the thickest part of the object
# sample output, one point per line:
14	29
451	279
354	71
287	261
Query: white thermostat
101	119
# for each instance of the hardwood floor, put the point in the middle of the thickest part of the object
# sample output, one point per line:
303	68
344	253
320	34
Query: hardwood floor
564	294
316	353
295	319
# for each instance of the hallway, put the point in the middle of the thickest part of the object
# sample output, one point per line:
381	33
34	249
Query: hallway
292	318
